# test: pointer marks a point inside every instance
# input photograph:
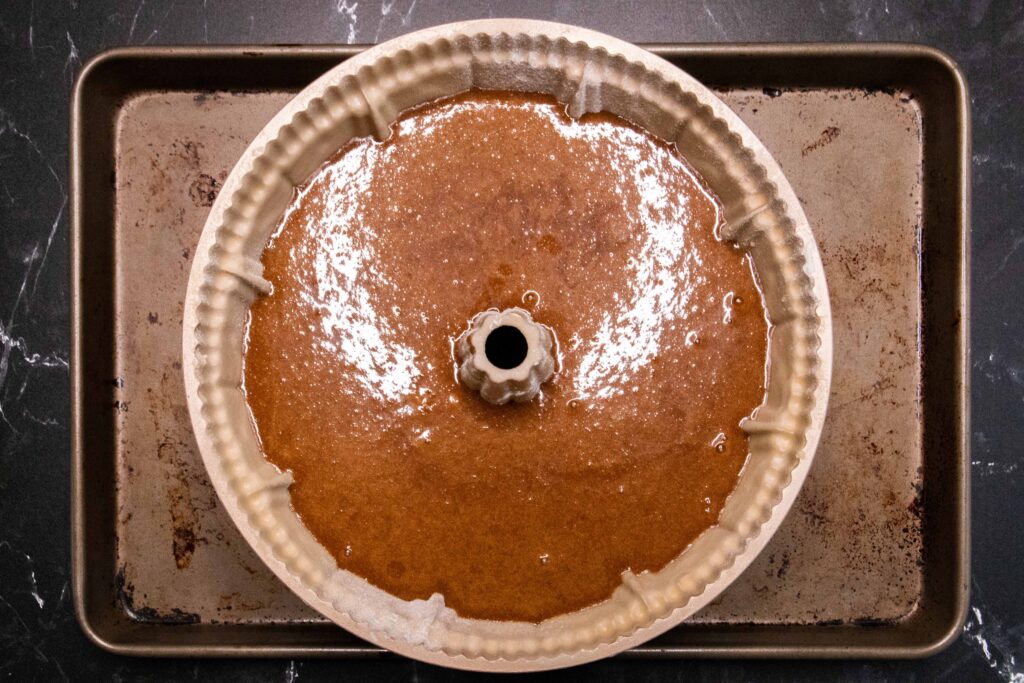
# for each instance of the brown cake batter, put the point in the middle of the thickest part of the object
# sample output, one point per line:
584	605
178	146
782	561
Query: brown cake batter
411	480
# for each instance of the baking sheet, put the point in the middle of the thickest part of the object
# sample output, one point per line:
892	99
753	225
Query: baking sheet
851	563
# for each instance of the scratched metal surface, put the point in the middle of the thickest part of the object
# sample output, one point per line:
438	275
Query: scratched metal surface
180	556
850	552
42	46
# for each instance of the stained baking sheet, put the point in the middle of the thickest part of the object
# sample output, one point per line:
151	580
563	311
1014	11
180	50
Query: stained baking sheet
872	558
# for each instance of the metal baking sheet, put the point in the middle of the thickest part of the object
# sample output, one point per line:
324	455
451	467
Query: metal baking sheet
872	560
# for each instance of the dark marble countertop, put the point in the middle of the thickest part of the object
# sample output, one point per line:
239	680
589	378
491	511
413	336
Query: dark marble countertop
43	45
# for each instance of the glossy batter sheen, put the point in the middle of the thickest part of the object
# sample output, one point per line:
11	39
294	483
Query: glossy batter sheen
412	481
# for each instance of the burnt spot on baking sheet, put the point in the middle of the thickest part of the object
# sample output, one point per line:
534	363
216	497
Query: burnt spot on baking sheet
185	519
203	190
783	567
184	544
873	90
187	150
873	622
827	136
915	508
124	591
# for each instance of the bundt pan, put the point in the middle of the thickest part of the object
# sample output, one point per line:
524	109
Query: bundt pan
588	72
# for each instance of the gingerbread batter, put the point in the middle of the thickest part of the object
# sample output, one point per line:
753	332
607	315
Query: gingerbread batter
412	481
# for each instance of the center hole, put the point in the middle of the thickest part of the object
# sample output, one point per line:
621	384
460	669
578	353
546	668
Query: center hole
506	347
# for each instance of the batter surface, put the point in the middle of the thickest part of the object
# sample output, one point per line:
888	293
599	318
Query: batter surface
412	481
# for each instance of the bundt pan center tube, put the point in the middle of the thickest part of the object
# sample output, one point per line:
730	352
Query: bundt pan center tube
505	356
587	72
